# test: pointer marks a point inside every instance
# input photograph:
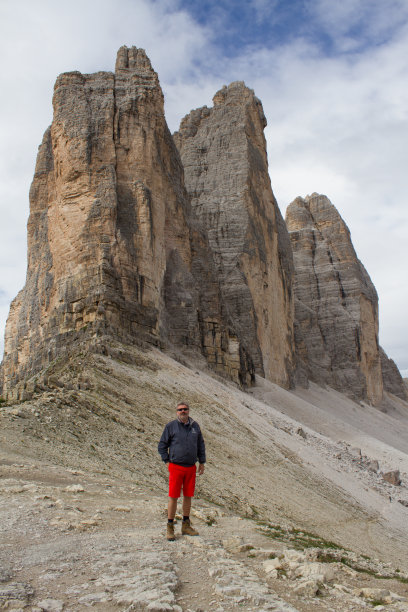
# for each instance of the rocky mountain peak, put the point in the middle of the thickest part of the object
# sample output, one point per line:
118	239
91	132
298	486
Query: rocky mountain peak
113	249
223	151
238	94
336	310
178	242
133	60
301	210
316	213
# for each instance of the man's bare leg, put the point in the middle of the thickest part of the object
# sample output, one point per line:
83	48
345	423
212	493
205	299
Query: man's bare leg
171	512
186	506
186	527
172	507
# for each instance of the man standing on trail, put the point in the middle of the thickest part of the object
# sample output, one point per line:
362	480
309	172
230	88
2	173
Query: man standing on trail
180	446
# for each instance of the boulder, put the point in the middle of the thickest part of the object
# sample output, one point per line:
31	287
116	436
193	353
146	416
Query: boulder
392	477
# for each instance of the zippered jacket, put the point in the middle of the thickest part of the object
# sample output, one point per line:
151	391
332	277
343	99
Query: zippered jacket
182	444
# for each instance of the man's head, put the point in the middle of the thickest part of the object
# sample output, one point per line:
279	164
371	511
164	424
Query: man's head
183	410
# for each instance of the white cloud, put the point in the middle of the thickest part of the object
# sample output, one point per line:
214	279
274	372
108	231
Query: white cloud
352	24
336	124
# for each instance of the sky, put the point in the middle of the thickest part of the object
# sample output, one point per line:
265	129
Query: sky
332	77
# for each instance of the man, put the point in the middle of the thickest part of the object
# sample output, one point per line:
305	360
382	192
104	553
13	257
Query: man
180	446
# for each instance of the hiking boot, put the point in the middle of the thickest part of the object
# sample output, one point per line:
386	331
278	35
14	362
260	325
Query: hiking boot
187	529
170	532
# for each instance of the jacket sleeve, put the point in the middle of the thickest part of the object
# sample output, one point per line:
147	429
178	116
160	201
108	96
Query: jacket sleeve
201	448
164	444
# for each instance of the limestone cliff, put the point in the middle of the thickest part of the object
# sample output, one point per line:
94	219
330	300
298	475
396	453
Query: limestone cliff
226	174
336	311
112	245
178	242
392	379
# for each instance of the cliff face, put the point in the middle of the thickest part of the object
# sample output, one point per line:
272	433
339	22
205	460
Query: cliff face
226	174
110	231
179	243
336	312
392	379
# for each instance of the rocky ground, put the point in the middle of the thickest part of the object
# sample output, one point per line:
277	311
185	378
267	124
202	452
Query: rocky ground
72	541
291	517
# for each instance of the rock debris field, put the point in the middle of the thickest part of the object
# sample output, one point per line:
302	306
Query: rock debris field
293	512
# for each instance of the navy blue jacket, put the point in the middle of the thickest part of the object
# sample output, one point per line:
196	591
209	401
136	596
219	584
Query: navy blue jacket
182	444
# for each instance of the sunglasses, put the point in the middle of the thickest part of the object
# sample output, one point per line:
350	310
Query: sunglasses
183	409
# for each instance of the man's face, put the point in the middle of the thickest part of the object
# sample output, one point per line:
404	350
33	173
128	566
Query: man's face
182	413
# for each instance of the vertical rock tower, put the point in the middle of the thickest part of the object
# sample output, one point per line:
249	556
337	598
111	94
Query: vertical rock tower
138	236
336	311
223	151
110	232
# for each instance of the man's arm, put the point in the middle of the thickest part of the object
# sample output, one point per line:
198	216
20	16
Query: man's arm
164	444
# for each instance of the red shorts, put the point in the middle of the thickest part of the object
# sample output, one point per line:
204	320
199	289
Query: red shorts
181	476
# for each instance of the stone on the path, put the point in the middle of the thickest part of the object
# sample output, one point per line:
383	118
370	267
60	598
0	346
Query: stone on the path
264	553
235	545
371	593
294	556
320	572
51	605
85	524
392	477
15	591
76	488
271	565
373	466
94	598
308	588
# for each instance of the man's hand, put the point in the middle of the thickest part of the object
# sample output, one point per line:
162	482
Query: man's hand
201	469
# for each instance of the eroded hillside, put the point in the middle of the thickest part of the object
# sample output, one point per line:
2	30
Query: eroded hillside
94	423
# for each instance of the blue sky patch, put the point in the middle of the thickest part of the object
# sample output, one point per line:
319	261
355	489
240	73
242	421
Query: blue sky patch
335	28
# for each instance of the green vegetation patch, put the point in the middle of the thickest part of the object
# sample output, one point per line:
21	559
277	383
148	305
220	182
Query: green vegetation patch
297	538
328	551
